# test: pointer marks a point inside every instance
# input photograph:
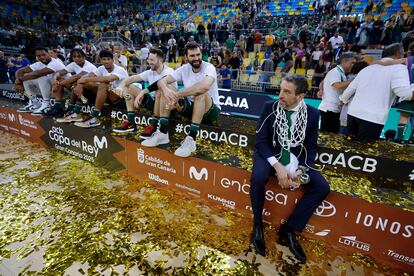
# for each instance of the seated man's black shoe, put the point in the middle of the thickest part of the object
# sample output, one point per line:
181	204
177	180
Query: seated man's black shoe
51	112
288	238
258	240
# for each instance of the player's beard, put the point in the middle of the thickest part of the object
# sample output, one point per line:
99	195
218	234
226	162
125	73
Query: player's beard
196	63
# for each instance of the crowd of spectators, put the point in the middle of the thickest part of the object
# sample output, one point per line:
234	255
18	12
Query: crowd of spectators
245	42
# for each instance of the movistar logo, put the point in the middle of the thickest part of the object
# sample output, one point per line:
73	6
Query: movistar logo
198	175
12	118
100	143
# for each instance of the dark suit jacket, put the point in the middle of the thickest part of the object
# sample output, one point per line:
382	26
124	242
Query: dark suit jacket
264	139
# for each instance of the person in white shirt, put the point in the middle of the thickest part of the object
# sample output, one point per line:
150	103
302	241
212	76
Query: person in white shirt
374	90
197	101
316	56
38	77
191	27
144	54
336	42
334	84
171	41
67	78
120	59
136	97
98	87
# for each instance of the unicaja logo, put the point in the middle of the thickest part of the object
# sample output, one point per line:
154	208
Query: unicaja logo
194	174
141	155
100	143
326	209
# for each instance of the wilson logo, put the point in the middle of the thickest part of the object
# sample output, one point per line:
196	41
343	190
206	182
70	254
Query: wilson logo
194	174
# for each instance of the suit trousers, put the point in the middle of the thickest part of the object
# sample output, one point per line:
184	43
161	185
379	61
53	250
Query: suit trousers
315	192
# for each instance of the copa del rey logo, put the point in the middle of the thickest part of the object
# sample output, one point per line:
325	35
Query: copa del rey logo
198	175
57	135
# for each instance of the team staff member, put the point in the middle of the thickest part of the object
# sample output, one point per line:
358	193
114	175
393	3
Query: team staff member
375	89
334	84
280	150
198	100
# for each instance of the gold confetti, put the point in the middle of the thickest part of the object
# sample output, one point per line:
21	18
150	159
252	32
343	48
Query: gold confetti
67	211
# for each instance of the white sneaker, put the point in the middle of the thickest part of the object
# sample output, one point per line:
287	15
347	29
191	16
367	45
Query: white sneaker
38	112
188	146
70	118
158	138
28	108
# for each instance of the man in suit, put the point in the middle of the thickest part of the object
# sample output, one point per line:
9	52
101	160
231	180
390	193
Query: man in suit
287	138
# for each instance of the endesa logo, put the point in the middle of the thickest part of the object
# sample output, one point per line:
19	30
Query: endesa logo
244	187
195	174
352	241
326	209
355	162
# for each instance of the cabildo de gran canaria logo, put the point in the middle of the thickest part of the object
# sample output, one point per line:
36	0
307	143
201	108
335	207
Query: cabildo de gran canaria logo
141	155
155	162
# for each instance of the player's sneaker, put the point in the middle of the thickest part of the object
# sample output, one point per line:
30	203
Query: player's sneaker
39	111
89	122
157	138
125	127
149	130
28	108
188	146
70	117
51	112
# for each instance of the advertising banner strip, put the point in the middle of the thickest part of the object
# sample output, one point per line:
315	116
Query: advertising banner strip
33	128
377	230
345	160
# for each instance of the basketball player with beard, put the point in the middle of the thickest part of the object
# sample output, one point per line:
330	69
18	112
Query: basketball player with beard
198	101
